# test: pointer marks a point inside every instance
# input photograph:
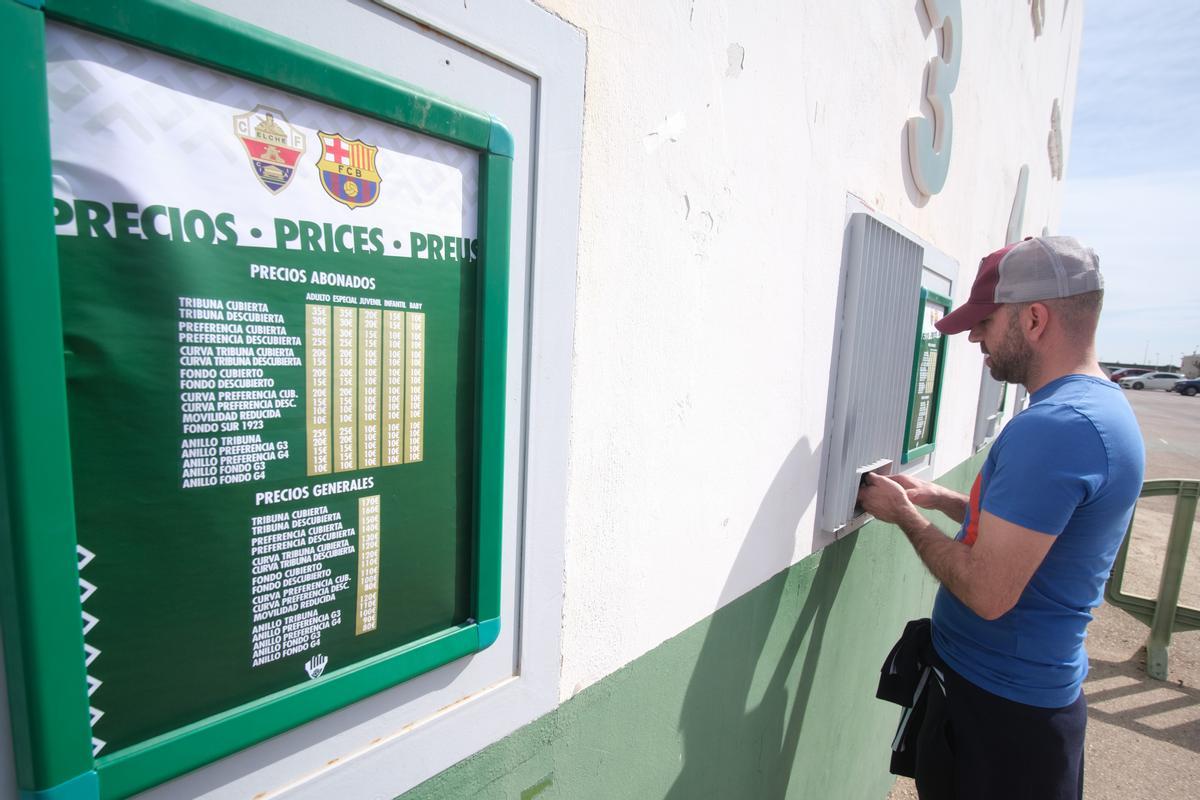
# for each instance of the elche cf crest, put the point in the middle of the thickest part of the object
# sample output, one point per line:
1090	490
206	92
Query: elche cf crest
347	168
273	145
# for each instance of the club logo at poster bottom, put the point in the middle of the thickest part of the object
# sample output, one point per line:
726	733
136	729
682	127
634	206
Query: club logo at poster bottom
272	144
347	168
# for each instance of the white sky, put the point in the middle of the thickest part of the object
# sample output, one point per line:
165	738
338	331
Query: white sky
1132	188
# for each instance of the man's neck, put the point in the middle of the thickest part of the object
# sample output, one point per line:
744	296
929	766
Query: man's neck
1053	369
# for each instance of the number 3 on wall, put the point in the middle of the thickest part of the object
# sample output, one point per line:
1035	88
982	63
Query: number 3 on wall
929	140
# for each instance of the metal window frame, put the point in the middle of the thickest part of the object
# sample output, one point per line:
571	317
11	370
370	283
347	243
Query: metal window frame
849	451
935	271
39	578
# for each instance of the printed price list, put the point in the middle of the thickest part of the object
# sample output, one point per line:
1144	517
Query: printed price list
365	387
367	607
231	356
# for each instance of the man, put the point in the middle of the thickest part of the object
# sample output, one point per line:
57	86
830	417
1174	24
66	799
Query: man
1039	533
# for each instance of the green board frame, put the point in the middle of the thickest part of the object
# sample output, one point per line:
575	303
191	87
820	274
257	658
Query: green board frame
39	579
910	454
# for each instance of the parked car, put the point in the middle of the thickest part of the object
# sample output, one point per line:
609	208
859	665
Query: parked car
1127	372
1190	387
1152	380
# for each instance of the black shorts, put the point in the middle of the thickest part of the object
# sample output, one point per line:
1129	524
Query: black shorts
974	745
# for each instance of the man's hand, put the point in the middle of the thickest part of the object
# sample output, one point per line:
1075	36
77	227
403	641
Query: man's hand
930	495
887	500
921	493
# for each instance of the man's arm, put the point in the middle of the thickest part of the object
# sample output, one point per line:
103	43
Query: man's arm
989	576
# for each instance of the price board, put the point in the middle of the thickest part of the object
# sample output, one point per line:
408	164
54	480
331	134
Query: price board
269	289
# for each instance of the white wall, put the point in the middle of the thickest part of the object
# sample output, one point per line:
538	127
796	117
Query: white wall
720	141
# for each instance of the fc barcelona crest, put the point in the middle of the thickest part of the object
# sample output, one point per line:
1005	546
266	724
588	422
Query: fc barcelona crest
273	145
347	168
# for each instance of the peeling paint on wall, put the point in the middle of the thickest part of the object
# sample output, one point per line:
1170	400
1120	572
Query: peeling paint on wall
737	60
669	130
539	787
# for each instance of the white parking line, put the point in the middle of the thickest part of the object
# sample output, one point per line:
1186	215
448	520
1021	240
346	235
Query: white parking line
1164	441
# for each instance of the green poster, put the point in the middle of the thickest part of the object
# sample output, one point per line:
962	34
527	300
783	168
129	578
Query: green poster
269	308
926	386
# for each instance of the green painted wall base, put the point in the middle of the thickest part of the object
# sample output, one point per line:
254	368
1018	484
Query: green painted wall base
773	696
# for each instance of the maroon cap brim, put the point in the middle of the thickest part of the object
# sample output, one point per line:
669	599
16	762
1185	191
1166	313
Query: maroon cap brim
965	317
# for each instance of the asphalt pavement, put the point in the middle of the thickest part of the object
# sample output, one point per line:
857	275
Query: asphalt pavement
1143	737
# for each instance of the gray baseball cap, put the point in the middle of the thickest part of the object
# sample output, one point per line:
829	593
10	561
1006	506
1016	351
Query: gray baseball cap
1039	268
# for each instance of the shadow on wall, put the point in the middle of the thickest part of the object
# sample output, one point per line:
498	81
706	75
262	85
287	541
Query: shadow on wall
772	696
745	705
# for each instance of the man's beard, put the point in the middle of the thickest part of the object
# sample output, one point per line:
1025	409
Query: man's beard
1013	360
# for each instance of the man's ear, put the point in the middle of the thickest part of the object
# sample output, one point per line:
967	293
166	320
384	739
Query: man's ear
1034	319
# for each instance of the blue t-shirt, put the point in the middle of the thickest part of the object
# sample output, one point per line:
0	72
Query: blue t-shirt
1069	466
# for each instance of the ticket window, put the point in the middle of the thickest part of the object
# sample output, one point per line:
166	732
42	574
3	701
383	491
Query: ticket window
1021	402
993	395
889	359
